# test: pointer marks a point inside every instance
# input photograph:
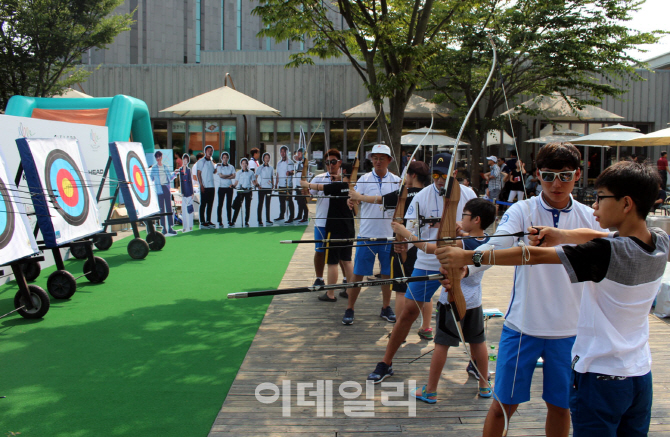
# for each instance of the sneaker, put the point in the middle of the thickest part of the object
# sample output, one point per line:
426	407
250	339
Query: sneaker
303	221
426	334
325	298
348	318
289	221
388	314
318	282
260	224
269	223
280	219
344	294
246	225
472	371
382	371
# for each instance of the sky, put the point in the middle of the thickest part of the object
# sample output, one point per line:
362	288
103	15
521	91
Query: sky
653	15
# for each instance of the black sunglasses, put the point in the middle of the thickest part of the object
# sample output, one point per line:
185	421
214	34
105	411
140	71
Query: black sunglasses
332	161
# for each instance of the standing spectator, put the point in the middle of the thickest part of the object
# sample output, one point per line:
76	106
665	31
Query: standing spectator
494	177
161	176
403	160
186	185
302	201
264	181
243	183
515	177
253	162
285	171
226	174
205	174
662	164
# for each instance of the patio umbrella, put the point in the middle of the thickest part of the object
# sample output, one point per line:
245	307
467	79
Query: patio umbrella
72	94
414	139
416	107
222	101
564	136
658	138
610	136
423	130
555	107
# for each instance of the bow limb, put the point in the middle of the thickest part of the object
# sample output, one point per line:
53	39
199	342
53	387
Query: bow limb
352	180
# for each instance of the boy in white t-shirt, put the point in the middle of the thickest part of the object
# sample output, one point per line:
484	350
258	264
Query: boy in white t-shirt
611	384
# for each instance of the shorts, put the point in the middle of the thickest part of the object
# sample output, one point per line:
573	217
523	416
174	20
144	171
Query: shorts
422	291
607	406
515	193
336	252
472	325
494	194
407	268
364	262
556	371
319	234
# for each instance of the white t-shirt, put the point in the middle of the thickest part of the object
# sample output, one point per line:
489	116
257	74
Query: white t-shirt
372	185
207	172
282	168
322	202
430	204
253	164
225	170
544	302
264	174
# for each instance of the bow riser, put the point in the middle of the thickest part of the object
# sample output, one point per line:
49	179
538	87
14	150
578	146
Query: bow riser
448	230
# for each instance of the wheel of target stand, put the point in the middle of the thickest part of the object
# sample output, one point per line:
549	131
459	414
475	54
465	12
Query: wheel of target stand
78	251
138	248
156	240
40	300
100	273
103	242
31	270
61	284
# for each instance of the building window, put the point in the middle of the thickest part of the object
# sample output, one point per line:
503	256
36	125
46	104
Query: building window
197	31
239	24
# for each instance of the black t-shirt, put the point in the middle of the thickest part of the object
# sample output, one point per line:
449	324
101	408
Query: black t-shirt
340	221
516	183
391	199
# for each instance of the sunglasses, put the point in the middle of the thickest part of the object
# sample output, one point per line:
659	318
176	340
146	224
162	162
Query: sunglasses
563	176
332	161
437	176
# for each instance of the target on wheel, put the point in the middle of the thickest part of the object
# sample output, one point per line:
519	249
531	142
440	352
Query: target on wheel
66	187
6	216
138	178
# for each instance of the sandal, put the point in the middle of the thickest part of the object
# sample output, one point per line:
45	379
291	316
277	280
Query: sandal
426	334
420	393
485	392
325	298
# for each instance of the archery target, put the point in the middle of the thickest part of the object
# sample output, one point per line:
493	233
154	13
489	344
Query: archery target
135	179
66	187
137	176
6	216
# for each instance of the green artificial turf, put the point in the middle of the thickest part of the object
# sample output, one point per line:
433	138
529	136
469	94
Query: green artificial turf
152	351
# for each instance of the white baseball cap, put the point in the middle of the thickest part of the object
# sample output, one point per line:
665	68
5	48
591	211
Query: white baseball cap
381	148
491	158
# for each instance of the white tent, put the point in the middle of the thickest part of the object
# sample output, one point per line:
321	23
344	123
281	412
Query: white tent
416	107
222	101
555	107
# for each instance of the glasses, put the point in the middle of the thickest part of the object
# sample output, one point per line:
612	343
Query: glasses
563	176
464	214
332	161
437	176
599	197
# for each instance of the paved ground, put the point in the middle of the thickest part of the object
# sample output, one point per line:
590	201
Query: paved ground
302	340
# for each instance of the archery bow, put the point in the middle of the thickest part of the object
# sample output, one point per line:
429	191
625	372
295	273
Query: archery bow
354	169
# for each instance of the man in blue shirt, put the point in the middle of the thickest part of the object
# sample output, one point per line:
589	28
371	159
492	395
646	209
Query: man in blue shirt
161	177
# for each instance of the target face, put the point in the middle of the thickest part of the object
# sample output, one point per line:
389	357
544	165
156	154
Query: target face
138	179
66	187
6	216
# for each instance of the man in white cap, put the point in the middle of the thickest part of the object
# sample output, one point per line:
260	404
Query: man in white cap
205	174
375	223
494	177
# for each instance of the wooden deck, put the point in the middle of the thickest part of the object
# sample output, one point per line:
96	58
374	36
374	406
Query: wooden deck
302	340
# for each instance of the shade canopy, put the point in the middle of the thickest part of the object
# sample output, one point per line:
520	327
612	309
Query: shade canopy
555	107
658	138
430	140
222	101
416	107
564	136
72	94
613	139
423	130
493	138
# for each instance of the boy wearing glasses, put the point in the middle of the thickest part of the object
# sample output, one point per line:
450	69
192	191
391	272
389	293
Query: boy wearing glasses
610	390
542	317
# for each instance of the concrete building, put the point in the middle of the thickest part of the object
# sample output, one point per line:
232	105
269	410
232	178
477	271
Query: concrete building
178	49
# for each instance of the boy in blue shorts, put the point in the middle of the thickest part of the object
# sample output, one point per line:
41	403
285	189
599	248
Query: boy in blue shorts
611	383
429	203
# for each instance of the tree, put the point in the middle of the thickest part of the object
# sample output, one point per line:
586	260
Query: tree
42	41
384	40
573	47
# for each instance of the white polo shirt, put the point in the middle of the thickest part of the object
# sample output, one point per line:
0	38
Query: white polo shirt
207	172
322	202
372	185
244	179
544	302
429	203
264	175
225	170
282	168
253	164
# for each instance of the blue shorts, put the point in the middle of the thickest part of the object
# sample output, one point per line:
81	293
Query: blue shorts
422	291
319	234
607	406
556	371
364	262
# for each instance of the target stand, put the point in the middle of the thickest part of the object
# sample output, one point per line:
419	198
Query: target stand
65	210
140	200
